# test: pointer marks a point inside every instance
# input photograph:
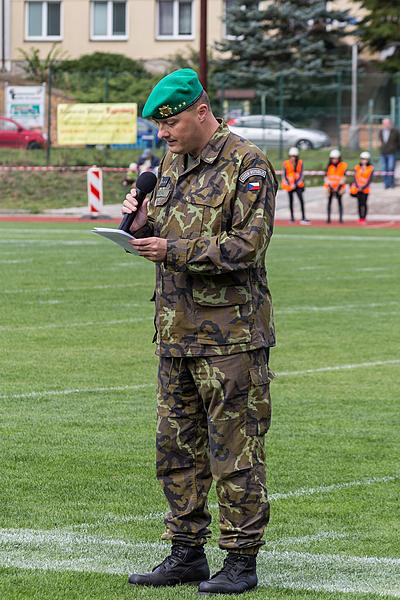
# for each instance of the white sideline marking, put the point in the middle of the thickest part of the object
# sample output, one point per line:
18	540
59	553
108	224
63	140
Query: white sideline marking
38	394
69	392
321	489
375	363
326	489
68	324
28	290
334	307
15	261
341	238
60	551
27	242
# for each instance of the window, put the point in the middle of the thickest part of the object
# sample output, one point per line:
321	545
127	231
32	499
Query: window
109	20
175	19
43	20
228	6
8	126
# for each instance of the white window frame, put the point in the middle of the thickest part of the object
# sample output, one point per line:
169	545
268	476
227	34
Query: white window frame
110	36
175	35
44	38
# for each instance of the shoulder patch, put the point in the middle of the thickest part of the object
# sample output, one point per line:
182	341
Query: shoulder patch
250	172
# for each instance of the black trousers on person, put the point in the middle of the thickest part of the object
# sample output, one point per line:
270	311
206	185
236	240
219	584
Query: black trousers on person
299	193
338	195
362	205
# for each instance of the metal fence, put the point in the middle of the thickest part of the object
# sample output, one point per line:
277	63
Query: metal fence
321	102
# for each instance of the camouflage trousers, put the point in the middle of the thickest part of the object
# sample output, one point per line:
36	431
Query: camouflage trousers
213	413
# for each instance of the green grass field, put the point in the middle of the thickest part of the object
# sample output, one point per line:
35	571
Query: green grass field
80	505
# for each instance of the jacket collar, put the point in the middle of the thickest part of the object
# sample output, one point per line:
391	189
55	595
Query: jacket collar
209	153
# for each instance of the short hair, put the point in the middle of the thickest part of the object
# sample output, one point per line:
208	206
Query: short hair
204	99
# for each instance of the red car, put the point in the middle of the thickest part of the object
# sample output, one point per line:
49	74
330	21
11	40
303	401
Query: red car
14	135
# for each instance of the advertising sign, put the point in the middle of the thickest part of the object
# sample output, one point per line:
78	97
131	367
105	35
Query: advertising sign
81	124
25	104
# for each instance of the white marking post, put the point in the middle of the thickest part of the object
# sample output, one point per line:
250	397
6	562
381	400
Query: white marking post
95	191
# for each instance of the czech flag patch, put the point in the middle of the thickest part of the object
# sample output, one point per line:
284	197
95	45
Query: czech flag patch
254	186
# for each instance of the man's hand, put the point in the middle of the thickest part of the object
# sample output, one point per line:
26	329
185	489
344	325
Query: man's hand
152	248
131	205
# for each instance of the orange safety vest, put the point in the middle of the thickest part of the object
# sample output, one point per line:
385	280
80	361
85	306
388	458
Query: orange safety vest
292	177
334	175
362	178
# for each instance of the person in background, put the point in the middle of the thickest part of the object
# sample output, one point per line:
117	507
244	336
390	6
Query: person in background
148	162
131	175
363	173
293	182
335	181
390	144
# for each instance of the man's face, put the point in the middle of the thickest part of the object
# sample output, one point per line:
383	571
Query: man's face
387	123
180	132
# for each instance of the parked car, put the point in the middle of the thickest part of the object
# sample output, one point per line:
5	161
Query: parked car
14	135
267	130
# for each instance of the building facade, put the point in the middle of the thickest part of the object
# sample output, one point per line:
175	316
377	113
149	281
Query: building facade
141	29
150	30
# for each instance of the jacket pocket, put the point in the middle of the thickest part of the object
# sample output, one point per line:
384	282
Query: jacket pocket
222	314
203	214
258	419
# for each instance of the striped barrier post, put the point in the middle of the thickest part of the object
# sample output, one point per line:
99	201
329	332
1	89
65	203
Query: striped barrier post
95	191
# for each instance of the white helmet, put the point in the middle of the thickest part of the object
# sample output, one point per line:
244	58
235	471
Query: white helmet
294	151
365	155
334	153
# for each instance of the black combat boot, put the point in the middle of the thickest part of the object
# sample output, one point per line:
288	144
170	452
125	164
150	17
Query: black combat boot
236	576
185	564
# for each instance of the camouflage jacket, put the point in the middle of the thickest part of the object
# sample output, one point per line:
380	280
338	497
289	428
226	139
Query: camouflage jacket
212	294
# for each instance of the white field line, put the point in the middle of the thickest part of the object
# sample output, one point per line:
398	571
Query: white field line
335	307
288	310
327	489
98	323
375	363
55	242
60	551
74	391
335	238
28	290
66	392
110	519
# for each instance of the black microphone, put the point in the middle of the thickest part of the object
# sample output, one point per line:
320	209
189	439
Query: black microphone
145	184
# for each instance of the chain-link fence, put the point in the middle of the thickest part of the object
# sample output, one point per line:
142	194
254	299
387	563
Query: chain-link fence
309	112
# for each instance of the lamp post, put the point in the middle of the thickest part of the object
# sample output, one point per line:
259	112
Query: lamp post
353	133
203	43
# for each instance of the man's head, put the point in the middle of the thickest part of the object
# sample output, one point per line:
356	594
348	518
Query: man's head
387	124
181	109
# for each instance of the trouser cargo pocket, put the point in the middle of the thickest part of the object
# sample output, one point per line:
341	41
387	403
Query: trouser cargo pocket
258	417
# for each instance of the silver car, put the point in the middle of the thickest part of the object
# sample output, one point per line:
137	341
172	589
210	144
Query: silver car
267	131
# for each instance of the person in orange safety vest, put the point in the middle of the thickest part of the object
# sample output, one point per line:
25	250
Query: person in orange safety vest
363	173
335	181
293	182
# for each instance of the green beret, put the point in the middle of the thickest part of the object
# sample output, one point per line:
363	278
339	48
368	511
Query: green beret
173	94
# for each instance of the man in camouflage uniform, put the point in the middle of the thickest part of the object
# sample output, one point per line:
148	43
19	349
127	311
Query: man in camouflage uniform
207	226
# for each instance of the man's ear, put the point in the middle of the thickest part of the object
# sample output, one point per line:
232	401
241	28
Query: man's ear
202	112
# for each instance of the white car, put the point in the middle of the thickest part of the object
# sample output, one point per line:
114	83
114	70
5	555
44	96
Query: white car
267	131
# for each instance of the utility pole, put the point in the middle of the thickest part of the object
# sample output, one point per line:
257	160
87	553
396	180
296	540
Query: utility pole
3	35
203	43
353	133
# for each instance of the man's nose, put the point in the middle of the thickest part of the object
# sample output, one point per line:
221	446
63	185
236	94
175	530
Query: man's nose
162	133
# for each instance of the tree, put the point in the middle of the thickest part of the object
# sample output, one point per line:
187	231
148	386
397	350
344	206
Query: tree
380	30
297	40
